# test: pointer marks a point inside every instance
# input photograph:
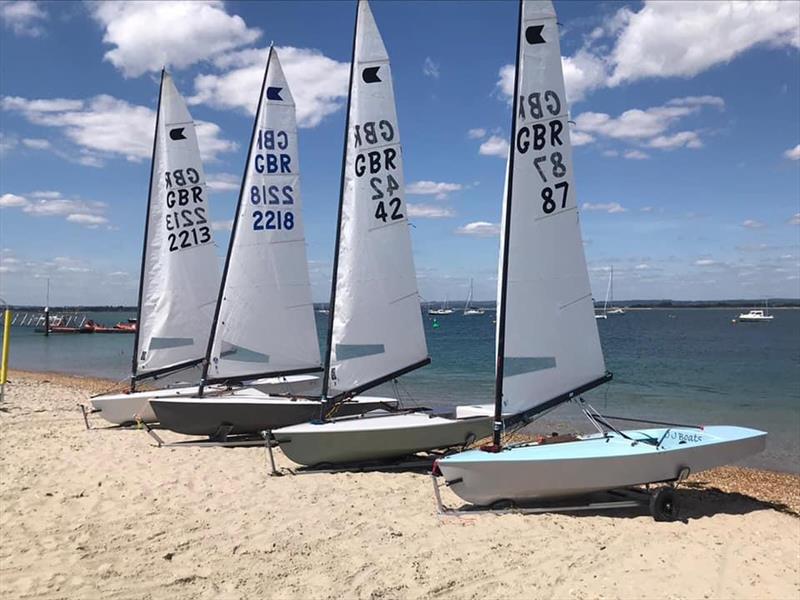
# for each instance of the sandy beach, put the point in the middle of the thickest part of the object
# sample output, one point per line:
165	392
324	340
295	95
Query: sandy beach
105	513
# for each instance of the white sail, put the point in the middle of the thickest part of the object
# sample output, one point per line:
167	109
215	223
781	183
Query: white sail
180	276
377	323
551	345
266	319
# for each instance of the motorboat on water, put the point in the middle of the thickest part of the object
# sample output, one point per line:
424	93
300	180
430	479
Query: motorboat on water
548	350
755	316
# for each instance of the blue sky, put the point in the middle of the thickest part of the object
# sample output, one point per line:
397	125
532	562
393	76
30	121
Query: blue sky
686	134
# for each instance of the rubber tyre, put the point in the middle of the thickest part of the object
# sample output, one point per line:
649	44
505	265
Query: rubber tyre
664	505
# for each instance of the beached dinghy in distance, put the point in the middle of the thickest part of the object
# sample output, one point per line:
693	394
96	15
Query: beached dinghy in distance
264	323
548	349
377	331
179	279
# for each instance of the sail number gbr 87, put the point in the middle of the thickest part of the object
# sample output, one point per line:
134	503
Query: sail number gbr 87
541	131
273	157
379	164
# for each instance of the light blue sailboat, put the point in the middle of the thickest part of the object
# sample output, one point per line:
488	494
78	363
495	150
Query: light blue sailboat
548	348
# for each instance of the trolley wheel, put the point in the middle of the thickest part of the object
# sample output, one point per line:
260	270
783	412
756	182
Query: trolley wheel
664	505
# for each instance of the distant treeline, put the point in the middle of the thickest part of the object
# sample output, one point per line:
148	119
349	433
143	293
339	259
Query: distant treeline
740	303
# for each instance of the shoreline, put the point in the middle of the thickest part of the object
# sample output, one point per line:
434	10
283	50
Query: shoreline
107	513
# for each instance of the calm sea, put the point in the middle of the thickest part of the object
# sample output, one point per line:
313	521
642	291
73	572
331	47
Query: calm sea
687	366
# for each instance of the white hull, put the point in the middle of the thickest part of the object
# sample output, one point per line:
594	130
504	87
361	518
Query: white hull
600	317
593	464
377	436
472	311
132	407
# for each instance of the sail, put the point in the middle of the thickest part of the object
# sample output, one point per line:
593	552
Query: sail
468	303
377	323
180	277
265	323
550	345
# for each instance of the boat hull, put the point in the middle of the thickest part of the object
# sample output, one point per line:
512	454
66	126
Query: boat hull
594	463
249	414
376	437
133	407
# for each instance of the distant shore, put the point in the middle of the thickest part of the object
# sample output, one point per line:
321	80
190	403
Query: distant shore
106	513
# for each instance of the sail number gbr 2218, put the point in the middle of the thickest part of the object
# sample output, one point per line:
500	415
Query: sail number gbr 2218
541	139
271	157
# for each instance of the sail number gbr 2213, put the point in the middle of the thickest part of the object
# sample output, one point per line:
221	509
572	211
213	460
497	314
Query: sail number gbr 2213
541	138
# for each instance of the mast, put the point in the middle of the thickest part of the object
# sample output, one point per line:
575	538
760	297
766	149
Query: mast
234	228
335	272
134	361
501	307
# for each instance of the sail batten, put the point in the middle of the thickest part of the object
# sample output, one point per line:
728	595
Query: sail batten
548	344
376	322
179	276
264	318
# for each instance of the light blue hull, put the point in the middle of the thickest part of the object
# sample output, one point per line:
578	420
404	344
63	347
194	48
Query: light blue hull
594	463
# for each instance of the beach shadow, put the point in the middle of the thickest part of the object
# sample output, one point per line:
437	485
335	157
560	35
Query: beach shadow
695	501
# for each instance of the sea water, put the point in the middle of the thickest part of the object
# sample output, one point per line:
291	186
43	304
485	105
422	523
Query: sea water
688	366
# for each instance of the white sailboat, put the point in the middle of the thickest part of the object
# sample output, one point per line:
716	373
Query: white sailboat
264	323
613	310
444	309
179	278
377	333
604	314
756	315
548	348
470	310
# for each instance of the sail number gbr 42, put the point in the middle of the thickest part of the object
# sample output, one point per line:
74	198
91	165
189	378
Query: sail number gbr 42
379	164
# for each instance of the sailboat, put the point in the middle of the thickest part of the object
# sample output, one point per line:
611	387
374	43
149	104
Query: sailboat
604	314
756	315
613	310
179	278
548	348
468	308
263	323
444	309
376	325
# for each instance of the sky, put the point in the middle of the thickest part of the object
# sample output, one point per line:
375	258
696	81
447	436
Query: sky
686	136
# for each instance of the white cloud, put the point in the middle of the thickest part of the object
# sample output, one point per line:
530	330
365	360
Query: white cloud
7	143
794	219
706	262
698	101
646	209
642	267
609	207
222	225
23	17
318	83
36	143
223	182
476	134
440	189
149	35
690	139
793	153
105	126
580	138
494	146
53	204
430	68
753	224
12	201
428	211
682	39
88	220
636	155
482	229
